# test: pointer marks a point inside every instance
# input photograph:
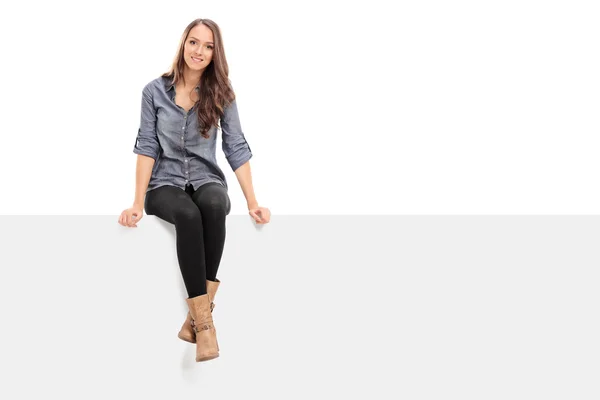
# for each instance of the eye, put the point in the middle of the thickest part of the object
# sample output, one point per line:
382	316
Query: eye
210	47
192	41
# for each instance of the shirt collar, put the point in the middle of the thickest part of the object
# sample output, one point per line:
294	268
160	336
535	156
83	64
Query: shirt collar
169	83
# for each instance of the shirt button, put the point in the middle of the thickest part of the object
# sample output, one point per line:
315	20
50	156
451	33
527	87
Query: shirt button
182	138
185	160
183	127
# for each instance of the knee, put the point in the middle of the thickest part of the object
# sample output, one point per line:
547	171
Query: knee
189	216
215	201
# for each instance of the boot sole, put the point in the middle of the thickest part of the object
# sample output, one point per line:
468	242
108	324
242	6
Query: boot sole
207	358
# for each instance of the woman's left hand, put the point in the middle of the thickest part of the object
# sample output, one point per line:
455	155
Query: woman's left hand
261	215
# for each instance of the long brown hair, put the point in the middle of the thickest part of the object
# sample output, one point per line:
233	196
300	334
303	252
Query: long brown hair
215	91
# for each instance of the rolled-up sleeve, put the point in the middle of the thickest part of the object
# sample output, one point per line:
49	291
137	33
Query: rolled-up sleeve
235	147
146	142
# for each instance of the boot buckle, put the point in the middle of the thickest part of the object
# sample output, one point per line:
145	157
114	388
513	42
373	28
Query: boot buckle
204	327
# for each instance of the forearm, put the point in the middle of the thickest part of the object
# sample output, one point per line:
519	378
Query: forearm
143	171
244	177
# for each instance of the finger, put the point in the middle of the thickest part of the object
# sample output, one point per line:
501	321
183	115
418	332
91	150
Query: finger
255	216
263	215
261	219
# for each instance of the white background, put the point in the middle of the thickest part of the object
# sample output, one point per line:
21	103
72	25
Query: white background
377	107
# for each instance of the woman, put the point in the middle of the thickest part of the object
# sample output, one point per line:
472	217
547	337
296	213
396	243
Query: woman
177	176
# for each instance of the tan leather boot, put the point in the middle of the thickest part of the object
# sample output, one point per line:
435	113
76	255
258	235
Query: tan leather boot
187	331
211	288
204	329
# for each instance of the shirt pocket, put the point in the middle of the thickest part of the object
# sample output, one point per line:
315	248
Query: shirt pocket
168	123
194	138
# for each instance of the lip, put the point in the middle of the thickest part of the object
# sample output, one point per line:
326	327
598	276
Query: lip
197	59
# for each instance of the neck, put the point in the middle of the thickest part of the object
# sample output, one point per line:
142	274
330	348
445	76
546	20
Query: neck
192	78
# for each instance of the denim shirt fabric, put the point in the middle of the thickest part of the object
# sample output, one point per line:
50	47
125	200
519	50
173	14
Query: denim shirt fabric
171	136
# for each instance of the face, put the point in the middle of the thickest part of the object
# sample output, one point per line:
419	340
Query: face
199	47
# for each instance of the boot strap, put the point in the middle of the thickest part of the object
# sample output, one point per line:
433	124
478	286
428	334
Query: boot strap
203	327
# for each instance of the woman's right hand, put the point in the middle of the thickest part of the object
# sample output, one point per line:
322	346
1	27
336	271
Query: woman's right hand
131	216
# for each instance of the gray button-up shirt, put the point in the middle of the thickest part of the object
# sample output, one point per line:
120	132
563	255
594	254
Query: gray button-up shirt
171	136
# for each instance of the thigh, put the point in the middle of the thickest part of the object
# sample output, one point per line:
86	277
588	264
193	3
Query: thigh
171	204
212	197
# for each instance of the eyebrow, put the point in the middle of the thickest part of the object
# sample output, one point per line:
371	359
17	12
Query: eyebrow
191	37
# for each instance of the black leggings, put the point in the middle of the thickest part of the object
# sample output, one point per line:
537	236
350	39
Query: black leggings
199	219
